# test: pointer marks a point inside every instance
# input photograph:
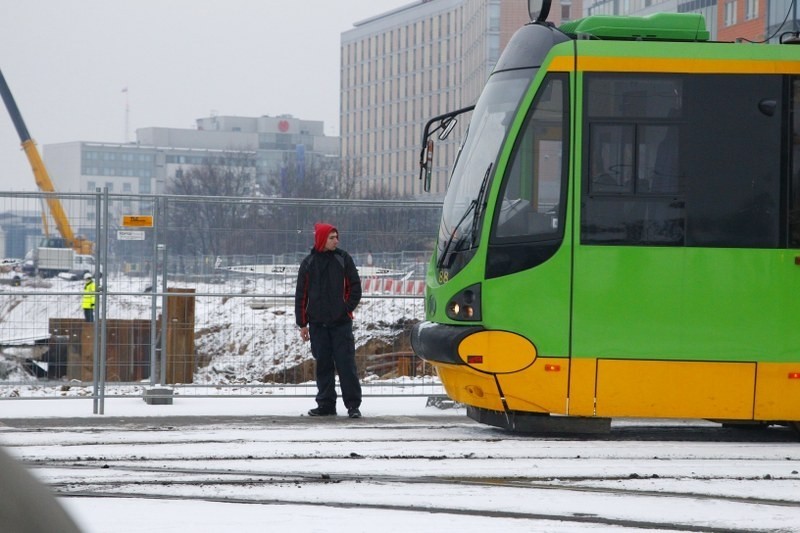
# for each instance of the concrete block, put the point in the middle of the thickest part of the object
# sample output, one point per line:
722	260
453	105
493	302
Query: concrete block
158	396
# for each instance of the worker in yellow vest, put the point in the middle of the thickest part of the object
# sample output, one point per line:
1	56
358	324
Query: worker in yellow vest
88	297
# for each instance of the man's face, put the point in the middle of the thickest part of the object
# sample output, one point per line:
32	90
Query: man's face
332	242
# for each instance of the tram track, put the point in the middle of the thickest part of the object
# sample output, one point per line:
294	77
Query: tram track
103	463
166	487
576	518
255	477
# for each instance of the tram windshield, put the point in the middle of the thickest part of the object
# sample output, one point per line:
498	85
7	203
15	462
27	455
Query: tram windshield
470	181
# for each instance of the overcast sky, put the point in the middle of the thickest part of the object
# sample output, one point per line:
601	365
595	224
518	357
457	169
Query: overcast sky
68	61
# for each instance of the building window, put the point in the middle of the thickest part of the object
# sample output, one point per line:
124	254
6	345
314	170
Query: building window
751	9
494	17
730	12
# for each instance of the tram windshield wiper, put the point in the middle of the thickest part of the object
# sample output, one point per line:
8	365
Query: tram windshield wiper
475	207
470	208
480	205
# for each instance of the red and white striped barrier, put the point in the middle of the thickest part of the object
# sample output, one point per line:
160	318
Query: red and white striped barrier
402	287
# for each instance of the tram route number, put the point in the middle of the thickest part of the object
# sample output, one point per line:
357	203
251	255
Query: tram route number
443	276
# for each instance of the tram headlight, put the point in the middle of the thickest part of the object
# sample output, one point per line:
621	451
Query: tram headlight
465	304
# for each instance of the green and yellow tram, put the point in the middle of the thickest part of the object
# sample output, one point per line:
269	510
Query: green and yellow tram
620	236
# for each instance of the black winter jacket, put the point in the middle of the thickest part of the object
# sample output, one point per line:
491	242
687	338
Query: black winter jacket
328	289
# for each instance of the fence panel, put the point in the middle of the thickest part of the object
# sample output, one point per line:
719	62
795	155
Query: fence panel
224	269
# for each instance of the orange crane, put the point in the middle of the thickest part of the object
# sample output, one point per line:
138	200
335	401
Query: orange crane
43	181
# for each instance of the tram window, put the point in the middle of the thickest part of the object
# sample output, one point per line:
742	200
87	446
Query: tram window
700	160
528	224
794	196
611	159
731	152
659	170
640	96
532	189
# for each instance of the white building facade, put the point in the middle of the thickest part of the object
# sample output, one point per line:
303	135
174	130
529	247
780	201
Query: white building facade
270	145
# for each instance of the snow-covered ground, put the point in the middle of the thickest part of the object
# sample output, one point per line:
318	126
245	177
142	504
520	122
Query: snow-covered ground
260	464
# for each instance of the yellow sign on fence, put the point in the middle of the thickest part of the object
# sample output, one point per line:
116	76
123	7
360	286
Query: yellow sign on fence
137	221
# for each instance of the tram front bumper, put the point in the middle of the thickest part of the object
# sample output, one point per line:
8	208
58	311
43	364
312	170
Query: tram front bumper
483	350
469	359
438	343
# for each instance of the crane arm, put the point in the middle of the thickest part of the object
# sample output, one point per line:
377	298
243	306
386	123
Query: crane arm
40	174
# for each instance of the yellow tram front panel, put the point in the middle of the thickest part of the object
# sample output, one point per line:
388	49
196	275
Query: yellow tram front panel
540	388
468	386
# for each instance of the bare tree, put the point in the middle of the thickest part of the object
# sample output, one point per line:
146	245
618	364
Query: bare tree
322	178
209	227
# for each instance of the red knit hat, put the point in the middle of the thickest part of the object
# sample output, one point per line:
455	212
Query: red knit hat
321	232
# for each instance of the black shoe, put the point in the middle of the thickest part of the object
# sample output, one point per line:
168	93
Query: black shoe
319	411
353	412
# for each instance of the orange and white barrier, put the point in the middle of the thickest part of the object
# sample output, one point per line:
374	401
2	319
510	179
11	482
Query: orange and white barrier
402	287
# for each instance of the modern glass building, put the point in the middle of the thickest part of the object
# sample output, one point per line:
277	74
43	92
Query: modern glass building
403	67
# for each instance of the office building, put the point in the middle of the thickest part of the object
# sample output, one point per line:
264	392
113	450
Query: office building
405	66
264	147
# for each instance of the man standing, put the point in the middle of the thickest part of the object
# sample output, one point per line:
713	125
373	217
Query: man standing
88	297
328	291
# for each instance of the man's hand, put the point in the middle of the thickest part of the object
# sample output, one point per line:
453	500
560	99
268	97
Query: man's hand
304	334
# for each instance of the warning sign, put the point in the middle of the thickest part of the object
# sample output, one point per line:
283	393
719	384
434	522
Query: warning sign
137	221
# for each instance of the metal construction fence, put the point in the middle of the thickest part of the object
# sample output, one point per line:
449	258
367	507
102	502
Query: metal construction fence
195	295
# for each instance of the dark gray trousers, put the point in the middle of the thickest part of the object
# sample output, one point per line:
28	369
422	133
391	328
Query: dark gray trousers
333	348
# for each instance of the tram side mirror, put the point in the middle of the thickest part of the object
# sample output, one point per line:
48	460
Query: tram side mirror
447	127
539	9
428	166
443	124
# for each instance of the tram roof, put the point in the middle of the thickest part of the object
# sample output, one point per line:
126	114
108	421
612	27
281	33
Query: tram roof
655	27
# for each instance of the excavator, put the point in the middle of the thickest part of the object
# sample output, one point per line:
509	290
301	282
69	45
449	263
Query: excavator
68	239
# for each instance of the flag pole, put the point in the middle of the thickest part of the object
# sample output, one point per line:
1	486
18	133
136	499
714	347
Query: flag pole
127	114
